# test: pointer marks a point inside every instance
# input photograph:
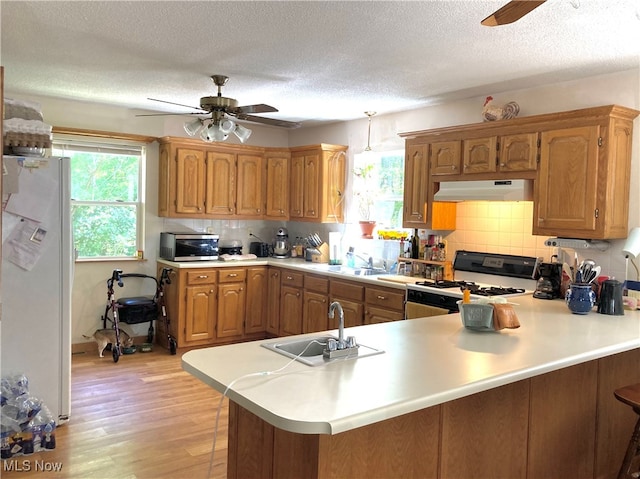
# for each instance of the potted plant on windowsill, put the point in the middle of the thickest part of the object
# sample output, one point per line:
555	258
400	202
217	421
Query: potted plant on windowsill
364	194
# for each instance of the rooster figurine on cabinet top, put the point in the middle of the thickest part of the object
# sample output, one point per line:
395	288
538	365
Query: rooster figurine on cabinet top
491	112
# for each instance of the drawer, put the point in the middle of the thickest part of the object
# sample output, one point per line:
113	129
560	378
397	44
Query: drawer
289	278
201	276
347	290
385	298
232	275
316	283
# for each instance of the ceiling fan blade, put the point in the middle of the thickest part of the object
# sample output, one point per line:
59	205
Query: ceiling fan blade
261	108
511	12
178	104
267	121
179	114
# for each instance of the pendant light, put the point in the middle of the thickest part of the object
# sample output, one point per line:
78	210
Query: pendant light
369	114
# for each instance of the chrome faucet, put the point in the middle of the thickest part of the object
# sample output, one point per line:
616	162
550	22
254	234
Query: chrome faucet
335	305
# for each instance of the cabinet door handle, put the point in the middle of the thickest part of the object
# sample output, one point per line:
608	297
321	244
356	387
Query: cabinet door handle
258	210
453	167
241	289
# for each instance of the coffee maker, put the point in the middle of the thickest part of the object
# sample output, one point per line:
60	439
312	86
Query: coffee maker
549	281
281	245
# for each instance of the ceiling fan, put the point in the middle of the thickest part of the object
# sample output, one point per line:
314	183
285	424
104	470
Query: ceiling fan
221	107
511	12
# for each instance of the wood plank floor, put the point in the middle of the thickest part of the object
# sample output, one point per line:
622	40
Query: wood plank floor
142	417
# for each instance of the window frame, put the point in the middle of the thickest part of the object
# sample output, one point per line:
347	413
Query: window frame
65	143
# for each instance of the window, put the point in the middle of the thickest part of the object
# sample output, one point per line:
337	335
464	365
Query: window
378	187
107	192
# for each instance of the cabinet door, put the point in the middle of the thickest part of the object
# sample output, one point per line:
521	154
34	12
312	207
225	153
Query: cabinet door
277	189
568	175
200	313
479	155
311	183
190	182
221	184
415	186
249	182
231	309
290	311
333	184
315	312
296	189
257	290
445	158
353	313
373	315
273	318
519	152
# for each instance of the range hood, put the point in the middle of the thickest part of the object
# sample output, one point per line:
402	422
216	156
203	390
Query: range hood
486	190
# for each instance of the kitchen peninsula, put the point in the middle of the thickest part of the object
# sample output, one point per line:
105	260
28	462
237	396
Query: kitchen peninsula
440	402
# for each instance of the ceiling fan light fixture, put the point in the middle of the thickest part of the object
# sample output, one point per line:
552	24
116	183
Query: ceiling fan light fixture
242	133
193	127
227	126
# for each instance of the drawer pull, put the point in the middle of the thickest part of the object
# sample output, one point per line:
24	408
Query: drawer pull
381	297
202	276
232	275
289	278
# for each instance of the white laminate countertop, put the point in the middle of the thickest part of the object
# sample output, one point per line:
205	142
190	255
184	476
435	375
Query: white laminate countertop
427	361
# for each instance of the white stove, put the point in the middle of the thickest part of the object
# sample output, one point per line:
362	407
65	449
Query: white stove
484	274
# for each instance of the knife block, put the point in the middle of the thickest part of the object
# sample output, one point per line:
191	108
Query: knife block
323	257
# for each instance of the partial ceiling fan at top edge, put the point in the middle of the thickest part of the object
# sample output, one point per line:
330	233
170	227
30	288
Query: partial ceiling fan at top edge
511	12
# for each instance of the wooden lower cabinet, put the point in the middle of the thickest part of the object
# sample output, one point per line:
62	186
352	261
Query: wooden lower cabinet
315	312
562	424
273	308
257	300
350	295
214	306
383	304
291	302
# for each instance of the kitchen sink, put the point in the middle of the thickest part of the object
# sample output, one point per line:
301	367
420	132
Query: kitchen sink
349	271
369	271
310	350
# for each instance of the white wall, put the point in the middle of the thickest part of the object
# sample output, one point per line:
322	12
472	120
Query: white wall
89	293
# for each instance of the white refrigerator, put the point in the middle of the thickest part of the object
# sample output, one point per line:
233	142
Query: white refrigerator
37	275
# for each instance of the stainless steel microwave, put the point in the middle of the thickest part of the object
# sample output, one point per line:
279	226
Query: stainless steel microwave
189	246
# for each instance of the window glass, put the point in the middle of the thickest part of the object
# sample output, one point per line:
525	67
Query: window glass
106	191
378	187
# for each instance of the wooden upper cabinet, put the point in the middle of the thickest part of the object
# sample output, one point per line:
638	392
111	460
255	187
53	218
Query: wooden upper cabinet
190	185
445	157
198	180
568	179
584	179
249	186
221	184
416	174
277	189
419	209
492	154
317	182
518	152
480	155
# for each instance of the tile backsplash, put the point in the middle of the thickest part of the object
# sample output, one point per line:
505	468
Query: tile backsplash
496	227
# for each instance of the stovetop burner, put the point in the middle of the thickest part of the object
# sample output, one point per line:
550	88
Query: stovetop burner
473	287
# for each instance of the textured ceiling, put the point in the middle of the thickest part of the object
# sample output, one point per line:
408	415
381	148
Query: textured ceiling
315	61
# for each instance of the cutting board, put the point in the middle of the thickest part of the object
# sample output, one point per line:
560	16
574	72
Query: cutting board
401	279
